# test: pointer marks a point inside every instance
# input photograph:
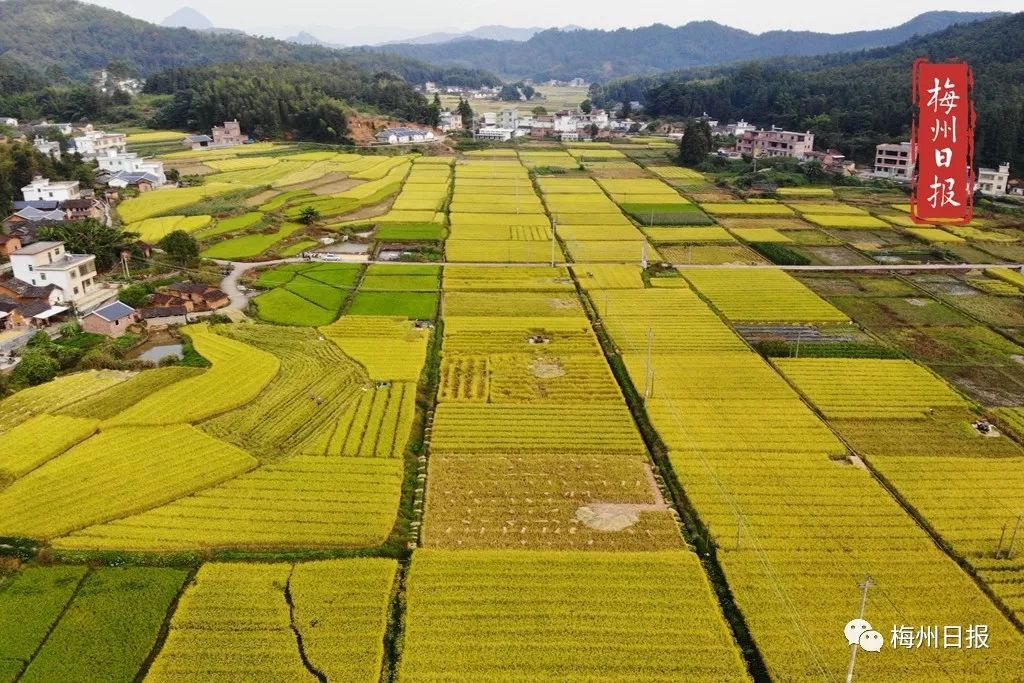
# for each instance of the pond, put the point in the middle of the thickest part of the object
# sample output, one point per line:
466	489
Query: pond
155	353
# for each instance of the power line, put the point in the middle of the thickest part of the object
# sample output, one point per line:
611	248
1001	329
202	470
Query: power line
759	551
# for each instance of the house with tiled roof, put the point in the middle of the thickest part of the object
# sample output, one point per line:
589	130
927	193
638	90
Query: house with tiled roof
112	320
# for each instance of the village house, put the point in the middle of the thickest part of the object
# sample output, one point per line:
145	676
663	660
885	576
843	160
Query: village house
542	126
93	144
495	134
35	212
228	135
993	181
775	142
203	297
45	264
112	320
28	305
833	161
163	300
8	121
404	136
48	147
197	142
42	189
508	118
123	167
80	209
449	121
159	317
892	160
9	244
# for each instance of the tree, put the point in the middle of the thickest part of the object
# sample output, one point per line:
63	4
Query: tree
36	366
528	91
627	109
509	93
466	112
696	143
594	130
309	215
180	246
90	236
434	112
135	296
540	111
586	106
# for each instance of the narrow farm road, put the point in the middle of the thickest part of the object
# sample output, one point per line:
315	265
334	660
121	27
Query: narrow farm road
229	285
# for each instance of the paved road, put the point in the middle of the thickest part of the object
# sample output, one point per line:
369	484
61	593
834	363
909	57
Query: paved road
241	267
229	285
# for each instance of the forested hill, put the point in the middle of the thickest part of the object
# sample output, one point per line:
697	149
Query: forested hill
302	101
69	39
854	101
600	55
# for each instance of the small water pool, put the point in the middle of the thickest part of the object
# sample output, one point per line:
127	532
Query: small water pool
156	353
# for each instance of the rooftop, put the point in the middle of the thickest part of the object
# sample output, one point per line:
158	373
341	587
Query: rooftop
114	311
37	248
67	261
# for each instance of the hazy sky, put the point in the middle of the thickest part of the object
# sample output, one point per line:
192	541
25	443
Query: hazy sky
408	18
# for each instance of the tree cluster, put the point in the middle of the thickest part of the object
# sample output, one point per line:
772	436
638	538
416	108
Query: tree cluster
282	100
20	161
90	236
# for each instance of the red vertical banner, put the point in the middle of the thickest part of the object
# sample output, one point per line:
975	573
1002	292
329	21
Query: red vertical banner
942	147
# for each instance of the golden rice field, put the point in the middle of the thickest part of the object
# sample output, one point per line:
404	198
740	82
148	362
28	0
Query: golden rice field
245	369
762	295
167	200
865	388
237	622
532	459
519	615
796	530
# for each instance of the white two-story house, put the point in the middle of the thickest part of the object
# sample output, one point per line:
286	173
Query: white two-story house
42	264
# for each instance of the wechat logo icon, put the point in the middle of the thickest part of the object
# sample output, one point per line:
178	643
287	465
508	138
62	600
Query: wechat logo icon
860	632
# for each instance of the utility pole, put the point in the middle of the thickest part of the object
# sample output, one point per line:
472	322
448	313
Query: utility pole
124	265
643	256
1013	537
799	337
554	231
868	583
649	383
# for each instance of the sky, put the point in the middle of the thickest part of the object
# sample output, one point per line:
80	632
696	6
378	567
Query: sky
368	22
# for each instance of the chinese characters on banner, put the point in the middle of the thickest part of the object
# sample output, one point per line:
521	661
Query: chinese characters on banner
943	143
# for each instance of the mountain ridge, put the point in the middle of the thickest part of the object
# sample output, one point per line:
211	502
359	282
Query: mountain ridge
62	40
601	55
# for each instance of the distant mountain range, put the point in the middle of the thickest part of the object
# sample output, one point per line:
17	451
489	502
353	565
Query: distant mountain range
481	33
601	55
57	40
504	33
189	18
852	100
